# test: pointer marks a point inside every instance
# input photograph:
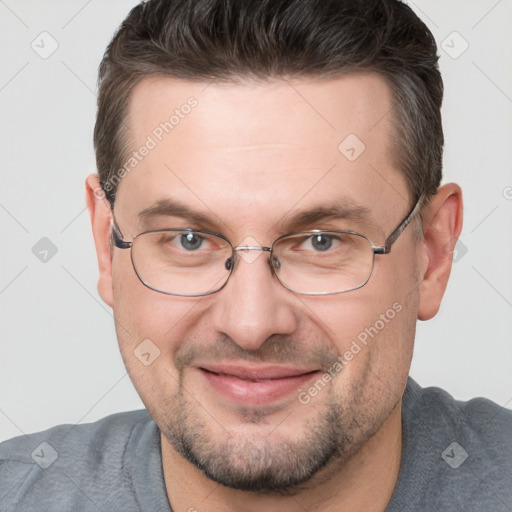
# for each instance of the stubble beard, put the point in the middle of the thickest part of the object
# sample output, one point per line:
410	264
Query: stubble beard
272	464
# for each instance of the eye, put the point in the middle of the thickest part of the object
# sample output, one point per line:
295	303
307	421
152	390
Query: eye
321	242
191	241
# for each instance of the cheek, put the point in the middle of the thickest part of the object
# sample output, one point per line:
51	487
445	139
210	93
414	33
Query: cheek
374	327
395	289
144	313
150	325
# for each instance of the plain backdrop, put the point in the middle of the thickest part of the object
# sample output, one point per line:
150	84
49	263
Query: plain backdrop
59	360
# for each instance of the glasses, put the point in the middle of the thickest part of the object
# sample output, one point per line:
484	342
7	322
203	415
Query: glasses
193	263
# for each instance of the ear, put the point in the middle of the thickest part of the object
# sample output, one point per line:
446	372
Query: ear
100	214
442	224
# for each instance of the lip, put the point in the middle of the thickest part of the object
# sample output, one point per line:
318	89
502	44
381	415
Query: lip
254	385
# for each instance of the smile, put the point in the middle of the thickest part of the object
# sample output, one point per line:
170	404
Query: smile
255	386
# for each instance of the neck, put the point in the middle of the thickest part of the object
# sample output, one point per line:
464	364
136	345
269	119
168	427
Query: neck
365	482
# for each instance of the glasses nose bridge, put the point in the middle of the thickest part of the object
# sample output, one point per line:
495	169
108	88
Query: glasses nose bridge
252	248
244	248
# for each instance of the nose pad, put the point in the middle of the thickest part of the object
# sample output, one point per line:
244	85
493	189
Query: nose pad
229	263
274	262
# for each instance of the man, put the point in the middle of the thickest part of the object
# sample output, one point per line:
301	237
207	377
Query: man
269	225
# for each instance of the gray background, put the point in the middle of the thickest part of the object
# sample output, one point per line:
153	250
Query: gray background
59	361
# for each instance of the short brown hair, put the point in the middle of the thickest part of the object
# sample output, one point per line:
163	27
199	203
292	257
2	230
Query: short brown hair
201	40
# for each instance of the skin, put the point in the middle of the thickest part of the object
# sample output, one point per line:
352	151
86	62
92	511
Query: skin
249	157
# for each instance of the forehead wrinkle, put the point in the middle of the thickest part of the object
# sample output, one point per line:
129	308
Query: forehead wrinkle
263	146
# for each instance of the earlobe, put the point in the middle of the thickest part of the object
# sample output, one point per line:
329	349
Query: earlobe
442	224
100	214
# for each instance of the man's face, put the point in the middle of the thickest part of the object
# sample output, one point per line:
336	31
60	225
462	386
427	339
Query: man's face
250	157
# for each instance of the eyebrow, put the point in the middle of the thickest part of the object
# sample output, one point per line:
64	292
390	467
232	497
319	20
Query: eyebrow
173	208
341	209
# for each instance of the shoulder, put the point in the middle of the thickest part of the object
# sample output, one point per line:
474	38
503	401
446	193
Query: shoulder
456	453
67	461
107	433
478	420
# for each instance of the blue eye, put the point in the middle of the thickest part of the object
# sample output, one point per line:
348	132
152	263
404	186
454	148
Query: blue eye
321	242
191	241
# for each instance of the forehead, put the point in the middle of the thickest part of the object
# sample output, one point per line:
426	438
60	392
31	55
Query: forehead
258	151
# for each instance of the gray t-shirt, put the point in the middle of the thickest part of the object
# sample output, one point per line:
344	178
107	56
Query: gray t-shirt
457	456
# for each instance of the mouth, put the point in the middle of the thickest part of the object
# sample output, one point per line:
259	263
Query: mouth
252	386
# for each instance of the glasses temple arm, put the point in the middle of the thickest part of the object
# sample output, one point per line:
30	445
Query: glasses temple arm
386	248
117	237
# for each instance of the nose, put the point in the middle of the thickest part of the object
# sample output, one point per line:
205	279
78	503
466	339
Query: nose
253	305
